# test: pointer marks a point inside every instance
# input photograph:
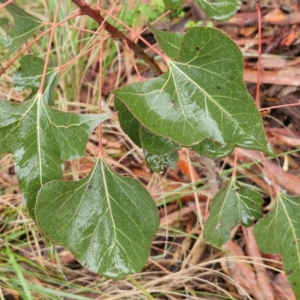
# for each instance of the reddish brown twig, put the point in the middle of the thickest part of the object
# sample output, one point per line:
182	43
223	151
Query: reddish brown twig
6	3
118	35
257	97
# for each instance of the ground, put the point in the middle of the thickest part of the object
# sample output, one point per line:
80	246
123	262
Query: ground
181	265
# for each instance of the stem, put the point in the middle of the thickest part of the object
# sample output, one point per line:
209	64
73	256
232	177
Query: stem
234	166
41	89
257	96
100	145
6	3
118	35
138	35
276	189
133	62
280	106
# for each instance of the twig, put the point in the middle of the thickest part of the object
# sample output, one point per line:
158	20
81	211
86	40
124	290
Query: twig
253	252
212	175
257	97
6	3
41	88
117	35
100	150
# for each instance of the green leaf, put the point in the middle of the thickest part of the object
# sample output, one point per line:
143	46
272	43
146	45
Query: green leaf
106	220
24	27
232	205
279	232
158	162
141	136
30	74
159	152
173	4
213	149
219	10
170	42
156	144
202	96
40	138
129	124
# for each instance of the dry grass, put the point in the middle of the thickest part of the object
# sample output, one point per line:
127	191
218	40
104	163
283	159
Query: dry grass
181	265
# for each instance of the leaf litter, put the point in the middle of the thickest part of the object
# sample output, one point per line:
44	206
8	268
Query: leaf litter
181	265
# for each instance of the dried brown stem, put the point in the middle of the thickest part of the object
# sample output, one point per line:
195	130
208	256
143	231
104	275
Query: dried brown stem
117	35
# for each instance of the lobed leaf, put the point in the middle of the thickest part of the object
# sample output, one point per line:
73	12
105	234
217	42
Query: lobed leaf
202	96
232	205
106	220
40	138
24	27
279	232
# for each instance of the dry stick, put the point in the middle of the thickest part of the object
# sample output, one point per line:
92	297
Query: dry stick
212	174
41	88
255	255
118	35
133	62
79	55
156	21
275	186
100	152
234	166
257	96
107	13
258	84
71	27
280	106
6	3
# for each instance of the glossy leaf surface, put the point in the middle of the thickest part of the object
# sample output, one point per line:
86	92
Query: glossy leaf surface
219	10
106	220
173	4
129	124
156	144
24	27
29	76
40	138
158	162
213	149
232	205
279	232
141	136
202	96
170	42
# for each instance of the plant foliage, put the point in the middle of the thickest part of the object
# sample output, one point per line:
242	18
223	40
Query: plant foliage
233	205
24	27
279	232
41	138
99	219
108	220
214	103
